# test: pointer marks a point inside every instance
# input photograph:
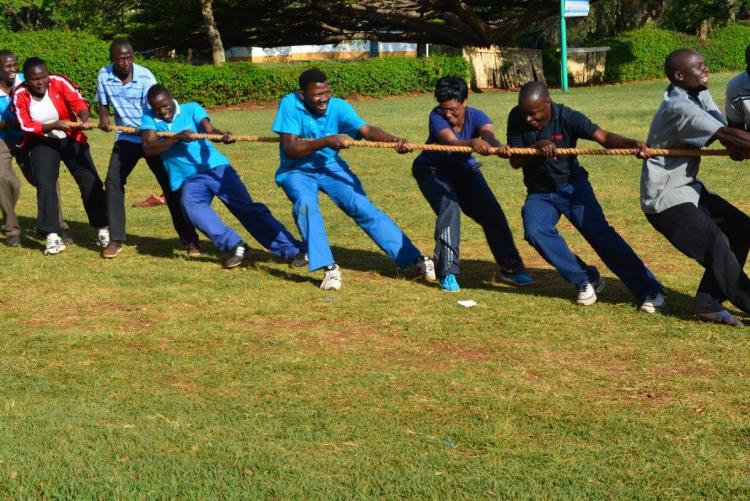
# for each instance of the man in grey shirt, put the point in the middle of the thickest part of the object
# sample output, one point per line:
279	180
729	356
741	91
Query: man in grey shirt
738	97
700	224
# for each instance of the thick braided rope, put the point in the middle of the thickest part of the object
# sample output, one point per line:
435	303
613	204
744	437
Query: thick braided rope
452	149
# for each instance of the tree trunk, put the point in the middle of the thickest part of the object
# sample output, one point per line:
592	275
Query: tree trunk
703	31
214	38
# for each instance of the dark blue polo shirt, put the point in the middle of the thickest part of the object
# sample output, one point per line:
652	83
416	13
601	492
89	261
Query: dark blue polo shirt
565	128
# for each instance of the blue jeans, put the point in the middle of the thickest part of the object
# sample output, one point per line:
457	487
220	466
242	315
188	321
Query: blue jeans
577	202
222	182
346	191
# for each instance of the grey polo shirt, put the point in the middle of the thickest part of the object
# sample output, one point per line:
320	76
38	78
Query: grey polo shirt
682	121
738	100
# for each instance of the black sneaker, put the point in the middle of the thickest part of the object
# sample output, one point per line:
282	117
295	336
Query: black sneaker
235	258
13	240
300	260
66	237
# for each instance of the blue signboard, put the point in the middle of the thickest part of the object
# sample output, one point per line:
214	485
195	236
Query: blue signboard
576	8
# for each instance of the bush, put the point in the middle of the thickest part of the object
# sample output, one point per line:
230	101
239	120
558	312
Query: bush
639	54
79	56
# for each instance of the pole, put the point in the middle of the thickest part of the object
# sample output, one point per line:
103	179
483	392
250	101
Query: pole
563	49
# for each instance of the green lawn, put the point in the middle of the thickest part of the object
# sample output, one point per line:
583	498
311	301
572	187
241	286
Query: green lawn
157	376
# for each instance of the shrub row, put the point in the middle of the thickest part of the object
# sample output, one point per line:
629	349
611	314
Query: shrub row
80	56
639	54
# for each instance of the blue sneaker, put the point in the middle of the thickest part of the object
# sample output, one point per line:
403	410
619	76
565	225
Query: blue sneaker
522	278
449	283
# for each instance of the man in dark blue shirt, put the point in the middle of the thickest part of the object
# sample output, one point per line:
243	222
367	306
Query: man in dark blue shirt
560	186
452	182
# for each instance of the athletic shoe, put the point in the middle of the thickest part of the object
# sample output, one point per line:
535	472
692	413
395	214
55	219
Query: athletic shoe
112	249
521	278
587	293
332	279
193	249
235	258
151	201
426	267
13	240
102	237
300	260
55	244
654	303
449	283
720	317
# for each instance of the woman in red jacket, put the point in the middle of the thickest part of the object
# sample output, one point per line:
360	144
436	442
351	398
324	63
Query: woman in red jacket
43	104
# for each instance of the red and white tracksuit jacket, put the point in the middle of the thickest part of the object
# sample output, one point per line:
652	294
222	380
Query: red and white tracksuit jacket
67	99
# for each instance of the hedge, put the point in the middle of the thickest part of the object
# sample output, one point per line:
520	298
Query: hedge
80	56
639	54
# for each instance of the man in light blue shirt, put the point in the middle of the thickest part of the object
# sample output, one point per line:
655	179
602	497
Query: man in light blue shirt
201	172
309	123
123	86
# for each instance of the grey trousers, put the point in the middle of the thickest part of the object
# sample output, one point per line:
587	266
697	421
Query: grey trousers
10	189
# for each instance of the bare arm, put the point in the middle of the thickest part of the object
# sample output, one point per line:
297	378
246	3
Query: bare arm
612	140
737	140
103	116
208	128
372	133
294	147
482	144
154	145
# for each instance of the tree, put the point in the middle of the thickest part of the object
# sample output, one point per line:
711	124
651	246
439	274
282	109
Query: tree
214	38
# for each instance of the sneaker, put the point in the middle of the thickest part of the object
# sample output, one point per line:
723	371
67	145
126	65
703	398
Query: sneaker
521	278
13	240
449	283
55	244
300	260
112	249
332	279
654	303
426	268
102	237
193	249
235	258
67	238
587	293
720	317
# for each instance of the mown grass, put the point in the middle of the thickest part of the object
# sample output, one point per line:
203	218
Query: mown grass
157	376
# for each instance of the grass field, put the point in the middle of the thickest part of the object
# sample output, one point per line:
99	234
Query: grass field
157	376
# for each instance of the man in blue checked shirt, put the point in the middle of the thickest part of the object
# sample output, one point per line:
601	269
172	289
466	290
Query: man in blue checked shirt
124	85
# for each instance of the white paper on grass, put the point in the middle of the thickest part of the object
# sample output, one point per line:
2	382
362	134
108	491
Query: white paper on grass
467	303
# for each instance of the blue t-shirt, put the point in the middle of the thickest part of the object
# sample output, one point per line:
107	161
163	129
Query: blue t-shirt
294	118
565	128
474	120
184	159
10	133
128	100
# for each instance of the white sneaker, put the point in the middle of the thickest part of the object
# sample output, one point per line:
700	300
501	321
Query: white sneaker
55	244
332	279
426	268
587	293
654	303
102	237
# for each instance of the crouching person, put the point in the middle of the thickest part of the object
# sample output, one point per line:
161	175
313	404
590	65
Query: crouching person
203	172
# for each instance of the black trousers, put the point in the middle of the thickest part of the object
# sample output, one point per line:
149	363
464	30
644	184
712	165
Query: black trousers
44	160
717	235
125	156
449	193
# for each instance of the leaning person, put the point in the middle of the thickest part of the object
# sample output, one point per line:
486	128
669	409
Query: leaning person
559	186
310	123
453	182
202	172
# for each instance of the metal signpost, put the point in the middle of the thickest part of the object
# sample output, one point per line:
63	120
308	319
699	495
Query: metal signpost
568	8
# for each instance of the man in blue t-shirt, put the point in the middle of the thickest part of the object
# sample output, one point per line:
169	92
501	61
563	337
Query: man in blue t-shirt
310	123
202	172
123	86
558	185
452	182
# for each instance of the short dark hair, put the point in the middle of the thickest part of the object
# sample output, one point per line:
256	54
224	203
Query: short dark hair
313	75
119	42
672	60
33	62
533	91
6	53
156	90
451	89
